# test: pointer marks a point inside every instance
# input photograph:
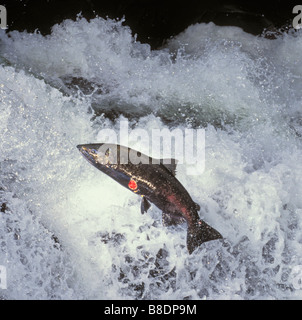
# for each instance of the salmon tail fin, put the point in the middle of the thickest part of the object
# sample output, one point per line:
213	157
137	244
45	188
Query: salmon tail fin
199	233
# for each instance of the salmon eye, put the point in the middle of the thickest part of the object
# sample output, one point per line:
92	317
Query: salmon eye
132	185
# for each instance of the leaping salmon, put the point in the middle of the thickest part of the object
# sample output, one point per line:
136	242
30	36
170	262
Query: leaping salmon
155	182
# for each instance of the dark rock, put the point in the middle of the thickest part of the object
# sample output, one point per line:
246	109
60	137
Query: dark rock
153	21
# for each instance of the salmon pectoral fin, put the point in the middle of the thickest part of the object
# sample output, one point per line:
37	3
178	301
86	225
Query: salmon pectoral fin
200	232
145	205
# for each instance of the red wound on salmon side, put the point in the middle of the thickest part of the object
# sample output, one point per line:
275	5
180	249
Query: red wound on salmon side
132	185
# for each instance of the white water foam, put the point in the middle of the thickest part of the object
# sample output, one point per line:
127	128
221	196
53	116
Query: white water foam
71	232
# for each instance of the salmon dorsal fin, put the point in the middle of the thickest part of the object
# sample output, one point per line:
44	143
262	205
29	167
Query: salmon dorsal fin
170	164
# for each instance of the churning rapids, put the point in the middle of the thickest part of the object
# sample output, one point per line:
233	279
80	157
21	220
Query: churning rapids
70	232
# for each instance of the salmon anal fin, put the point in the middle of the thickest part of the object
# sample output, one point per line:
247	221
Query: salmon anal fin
171	219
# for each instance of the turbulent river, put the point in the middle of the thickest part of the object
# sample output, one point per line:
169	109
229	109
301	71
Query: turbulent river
70	232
